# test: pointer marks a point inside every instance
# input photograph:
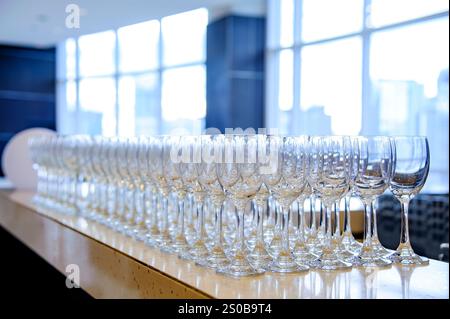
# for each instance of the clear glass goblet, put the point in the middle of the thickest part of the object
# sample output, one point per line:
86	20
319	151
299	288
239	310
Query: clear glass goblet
372	179
208	178
238	173
329	174
411	163
286	180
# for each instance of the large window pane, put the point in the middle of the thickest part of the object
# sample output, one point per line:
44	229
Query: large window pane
184	37
139	107
409	72
97	106
330	93
138	46
66	104
97	53
328	18
383	12
286	23
286	80
184	97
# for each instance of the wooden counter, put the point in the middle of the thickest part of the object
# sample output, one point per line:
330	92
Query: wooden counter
115	266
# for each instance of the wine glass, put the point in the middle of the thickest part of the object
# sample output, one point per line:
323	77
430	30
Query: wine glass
372	179
286	182
188	169
329	175
301	251
411	163
172	158
259	256
208	178
238	173
150	193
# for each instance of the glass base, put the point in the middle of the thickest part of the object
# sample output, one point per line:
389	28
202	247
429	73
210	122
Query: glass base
405	255
216	258
179	244
240	267
303	256
165	241
285	263
368	257
350	243
329	260
275	245
259	256
379	249
198	251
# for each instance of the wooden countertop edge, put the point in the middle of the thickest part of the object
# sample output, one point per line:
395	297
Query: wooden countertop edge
5	193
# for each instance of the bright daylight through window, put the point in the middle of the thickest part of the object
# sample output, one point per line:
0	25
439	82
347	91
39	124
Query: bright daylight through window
372	67
121	82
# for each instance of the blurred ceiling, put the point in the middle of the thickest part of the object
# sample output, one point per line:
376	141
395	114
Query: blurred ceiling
42	23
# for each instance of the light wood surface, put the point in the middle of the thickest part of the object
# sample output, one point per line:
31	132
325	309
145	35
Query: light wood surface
115	266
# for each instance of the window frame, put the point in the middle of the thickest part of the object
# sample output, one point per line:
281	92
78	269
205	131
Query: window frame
116	76
272	111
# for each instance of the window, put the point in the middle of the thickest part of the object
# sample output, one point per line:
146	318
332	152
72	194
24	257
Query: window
141	79
361	67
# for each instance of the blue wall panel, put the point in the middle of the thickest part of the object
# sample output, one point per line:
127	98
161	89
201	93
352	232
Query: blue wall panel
27	90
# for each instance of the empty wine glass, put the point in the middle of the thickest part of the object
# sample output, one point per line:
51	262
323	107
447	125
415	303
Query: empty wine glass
286	181
208	178
348	240
239	176
329	175
372	179
301	250
149	189
259	256
188	169
411	163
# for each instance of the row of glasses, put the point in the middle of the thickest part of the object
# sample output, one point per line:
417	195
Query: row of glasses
155	188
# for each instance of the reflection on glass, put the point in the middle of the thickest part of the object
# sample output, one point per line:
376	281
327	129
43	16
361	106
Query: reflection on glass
184	98
138	105
331	87
138	46
329	18
183	37
286	23
409	74
383	12
97	106
97	53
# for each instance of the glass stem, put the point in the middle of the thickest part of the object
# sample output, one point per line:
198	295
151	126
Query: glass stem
165	211
154	210
285	212
323	219
241	238
404	232
367	223
180	216
312	213
347	221
218	209
201	218
260	211
337	222
301	220
327	224
374	222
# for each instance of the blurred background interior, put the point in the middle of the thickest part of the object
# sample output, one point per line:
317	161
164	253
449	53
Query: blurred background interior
142	67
